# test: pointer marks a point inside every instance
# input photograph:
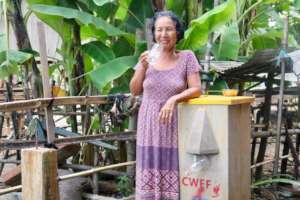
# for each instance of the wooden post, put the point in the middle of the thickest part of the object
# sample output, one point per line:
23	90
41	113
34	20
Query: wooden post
286	149
1	123
131	145
39	174
298	136
209	46
132	126
280	100
258	117
46	83
149	36
266	110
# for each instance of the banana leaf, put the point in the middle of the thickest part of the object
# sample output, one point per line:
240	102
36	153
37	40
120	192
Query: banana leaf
82	17
98	51
228	47
139	10
57	23
122	11
107	72
177	6
197	35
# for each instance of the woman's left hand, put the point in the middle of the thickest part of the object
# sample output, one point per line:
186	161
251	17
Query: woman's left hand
166	112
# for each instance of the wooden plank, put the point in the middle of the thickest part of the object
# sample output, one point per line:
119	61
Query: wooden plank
15	89
12	177
56	101
46	83
65	133
39	173
40	127
65	151
116	136
239	160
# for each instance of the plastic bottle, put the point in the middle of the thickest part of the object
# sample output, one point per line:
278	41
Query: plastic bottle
154	53
201	163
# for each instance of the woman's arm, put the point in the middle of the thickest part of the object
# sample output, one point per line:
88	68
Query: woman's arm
193	90
136	83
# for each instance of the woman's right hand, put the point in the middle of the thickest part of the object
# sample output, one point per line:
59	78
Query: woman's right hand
144	59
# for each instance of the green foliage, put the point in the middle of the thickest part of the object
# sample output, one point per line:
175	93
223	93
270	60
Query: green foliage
122	47
197	35
101	2
107	11
2	42
57	23
275	180
7	68
177	6
110	49
124	186
52	68
82	17
15	56
111	70
297	4
95	124
122	11
264	39
140	10
228	46
90	31
217	87
10	61
98	51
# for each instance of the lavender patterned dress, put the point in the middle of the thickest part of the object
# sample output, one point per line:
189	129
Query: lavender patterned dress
157	167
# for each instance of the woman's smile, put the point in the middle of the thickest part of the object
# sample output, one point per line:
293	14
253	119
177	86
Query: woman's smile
165	32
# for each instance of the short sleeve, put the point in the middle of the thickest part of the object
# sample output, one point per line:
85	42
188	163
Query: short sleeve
192	64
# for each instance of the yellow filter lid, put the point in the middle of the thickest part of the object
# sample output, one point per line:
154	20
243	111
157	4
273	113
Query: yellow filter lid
220	100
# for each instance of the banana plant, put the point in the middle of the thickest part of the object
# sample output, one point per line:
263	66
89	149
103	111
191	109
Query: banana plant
93	25
10	60
196	35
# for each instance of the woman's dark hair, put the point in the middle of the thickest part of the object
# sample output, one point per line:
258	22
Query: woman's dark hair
173	17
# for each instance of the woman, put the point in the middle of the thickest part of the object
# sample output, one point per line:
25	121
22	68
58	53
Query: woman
172	78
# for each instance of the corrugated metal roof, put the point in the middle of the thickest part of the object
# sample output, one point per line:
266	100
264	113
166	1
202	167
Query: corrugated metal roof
221	66
261	63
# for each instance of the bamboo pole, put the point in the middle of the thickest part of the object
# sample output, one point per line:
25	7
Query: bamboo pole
282	78
264	134
91	171
46	84
116	136
74	175
267	161
10	189
40	103
10	161
55	101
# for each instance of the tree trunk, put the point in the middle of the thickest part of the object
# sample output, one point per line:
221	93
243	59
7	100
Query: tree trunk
14	14
158	5
191	10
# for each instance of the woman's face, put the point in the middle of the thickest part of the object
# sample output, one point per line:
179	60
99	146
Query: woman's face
165	32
